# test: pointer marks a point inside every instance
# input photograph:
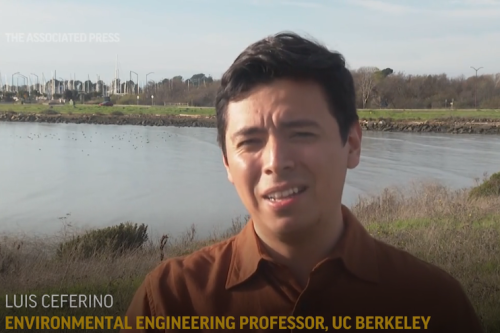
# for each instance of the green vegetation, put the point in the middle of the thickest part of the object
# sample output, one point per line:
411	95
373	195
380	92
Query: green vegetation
369	114
489	187
114	240
375	88
432	222
433	114
105	110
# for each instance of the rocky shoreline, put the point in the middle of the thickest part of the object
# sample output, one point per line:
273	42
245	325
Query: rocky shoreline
449	125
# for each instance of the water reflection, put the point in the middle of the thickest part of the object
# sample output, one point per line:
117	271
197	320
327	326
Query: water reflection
172	177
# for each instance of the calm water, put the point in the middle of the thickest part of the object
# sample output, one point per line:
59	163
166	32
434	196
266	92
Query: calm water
170	178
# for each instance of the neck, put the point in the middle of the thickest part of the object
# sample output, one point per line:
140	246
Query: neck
303	250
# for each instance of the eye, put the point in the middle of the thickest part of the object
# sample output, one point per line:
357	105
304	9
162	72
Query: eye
248	142
304	134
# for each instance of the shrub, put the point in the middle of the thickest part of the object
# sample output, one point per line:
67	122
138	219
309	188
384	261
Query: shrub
127	100
489	187
93	102
114	241
117	113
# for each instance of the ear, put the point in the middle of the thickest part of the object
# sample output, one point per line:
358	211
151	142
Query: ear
354	145
226	165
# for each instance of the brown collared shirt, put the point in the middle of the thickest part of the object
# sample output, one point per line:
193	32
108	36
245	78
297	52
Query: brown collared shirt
362	278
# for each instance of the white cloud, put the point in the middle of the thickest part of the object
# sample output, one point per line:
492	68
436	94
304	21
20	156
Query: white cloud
303	4
476	2
492	9
40	17
473	13
385	7
452	55
443	37
291	3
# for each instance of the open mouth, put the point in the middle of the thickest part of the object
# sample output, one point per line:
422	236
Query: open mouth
287	194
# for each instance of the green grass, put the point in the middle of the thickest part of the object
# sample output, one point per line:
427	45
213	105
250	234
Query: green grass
394	114
94	109
489	187
428	114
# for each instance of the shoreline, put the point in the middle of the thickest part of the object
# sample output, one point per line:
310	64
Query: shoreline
468	250
443	125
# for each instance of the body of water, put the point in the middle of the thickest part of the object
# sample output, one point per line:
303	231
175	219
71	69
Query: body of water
170	178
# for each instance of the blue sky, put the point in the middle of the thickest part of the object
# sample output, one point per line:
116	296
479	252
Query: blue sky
185	37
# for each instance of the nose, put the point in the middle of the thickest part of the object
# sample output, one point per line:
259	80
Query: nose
277	156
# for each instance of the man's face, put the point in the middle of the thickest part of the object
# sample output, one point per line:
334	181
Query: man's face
285	156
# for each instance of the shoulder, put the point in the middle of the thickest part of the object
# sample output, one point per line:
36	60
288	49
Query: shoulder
178	275
399	267
426	286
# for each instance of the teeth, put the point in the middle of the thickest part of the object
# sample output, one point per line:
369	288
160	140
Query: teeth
284	194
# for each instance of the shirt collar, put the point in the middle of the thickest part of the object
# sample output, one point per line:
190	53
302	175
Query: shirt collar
246	256
356	248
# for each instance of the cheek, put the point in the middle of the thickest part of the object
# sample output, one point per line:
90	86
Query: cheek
327	166
246	174
320	160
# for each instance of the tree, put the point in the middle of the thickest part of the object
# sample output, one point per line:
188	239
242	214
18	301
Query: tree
68	94
386	72
366	77
198	79
497	80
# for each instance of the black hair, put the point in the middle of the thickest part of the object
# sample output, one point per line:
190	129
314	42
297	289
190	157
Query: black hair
287	55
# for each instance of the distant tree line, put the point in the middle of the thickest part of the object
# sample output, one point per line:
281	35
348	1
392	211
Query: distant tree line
199	90
375	89
385	89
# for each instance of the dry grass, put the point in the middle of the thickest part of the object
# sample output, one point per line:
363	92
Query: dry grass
449	229
436	224
30	263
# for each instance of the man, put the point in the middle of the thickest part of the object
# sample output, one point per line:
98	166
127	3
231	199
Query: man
289	131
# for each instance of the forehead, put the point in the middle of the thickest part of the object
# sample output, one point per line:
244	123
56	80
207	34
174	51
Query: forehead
281	100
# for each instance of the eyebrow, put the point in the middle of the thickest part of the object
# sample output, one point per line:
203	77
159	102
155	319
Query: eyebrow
299	123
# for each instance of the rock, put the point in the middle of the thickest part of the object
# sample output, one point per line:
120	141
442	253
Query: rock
451	125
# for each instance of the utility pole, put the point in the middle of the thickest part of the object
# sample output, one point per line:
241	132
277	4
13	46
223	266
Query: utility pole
475	86
13	80
37	84
137	75
25	81
147	80
53	85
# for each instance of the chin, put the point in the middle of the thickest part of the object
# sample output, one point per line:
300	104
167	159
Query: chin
287	225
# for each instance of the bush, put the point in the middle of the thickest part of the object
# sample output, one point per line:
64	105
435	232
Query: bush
489	187
93	102
114	98
114	241
117	113
127	100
